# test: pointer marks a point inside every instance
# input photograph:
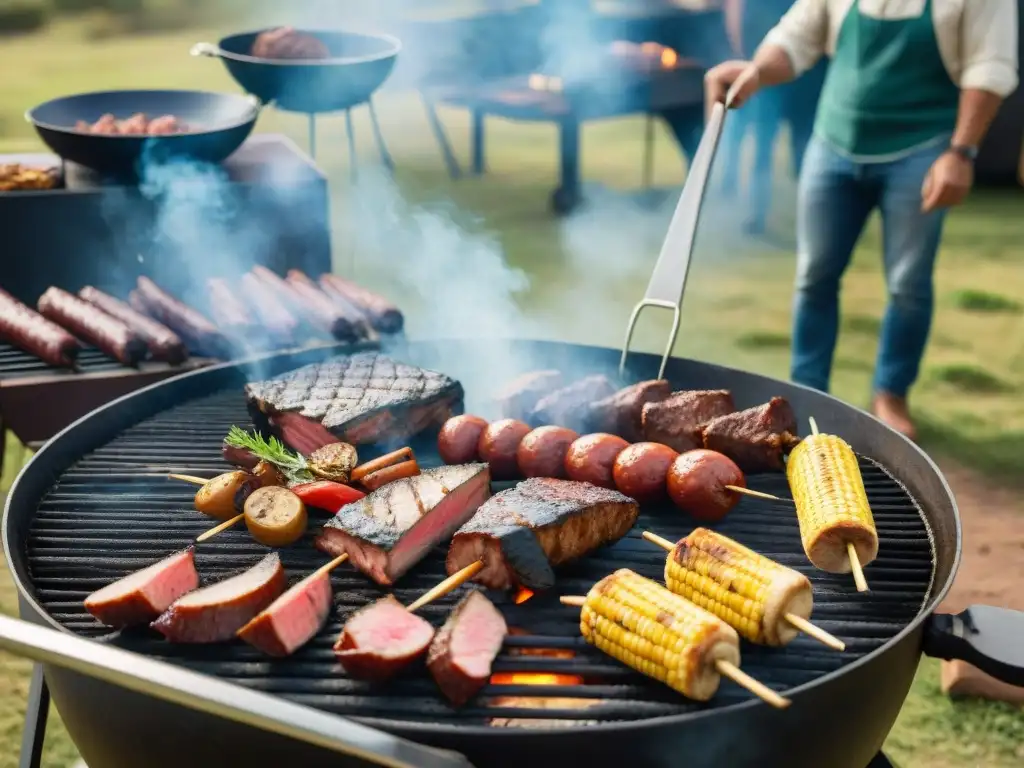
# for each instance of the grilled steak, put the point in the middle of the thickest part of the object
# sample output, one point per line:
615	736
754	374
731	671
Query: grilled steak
140	597
518	398
363	398
679	420
463	650
290	622
521	534
758	438
393	528
570	406
217	612
381	638
622	413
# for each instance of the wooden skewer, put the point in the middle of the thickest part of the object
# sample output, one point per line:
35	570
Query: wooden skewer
725	668
217	529
330	566
454	581
798	622
851	551
752	492
191	479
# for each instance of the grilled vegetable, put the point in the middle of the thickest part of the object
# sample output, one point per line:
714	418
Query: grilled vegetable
217	497
268	474
333	462
375	480
647	627
275	516
292	466
748	591
324	494
831	503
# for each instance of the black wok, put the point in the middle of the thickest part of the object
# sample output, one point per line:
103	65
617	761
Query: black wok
838	718
218	125
358	66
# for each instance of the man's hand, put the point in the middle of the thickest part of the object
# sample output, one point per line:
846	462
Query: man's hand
948	181
731	83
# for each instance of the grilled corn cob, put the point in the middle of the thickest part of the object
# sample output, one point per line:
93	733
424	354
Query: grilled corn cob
749	592
831	503
658	633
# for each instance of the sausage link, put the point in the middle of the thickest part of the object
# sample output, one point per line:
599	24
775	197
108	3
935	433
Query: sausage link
641	470
93	325
26	329
197	331
696	484
591	458
164	344
542	452
278	322
382	314
498	445
343	325
459	439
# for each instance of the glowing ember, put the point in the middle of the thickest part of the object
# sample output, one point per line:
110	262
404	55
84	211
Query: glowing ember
669	58
534	678
522	596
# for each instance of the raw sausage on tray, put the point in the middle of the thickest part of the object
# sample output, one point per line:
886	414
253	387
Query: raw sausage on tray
93	325
28	330
164	344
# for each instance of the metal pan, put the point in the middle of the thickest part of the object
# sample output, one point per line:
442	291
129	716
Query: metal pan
221	123
358	66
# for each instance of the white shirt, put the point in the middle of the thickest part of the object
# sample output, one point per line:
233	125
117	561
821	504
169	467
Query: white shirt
977	39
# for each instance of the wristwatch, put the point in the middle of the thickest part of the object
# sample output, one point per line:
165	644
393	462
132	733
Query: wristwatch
967	152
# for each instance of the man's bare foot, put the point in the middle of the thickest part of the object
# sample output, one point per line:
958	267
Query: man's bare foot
894	412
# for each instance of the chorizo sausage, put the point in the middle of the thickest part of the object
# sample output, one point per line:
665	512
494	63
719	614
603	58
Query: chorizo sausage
697	480
640	471
542	452
28	330
590	458
93	325
498	445
459	437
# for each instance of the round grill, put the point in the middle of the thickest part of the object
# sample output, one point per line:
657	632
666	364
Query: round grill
114	512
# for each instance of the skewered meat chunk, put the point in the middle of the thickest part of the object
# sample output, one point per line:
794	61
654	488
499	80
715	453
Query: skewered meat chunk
570	406
519	397
380	639
523	533
831	503
622	413
291	620
678	421
664	636
758	438
140	597
748	591
463	650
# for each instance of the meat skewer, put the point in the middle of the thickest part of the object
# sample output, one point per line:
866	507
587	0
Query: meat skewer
28	330
461	654
164	344
764	601
664	636
95	326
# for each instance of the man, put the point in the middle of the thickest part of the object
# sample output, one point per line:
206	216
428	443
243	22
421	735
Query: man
911	90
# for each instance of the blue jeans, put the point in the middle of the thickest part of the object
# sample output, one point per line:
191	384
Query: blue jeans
836	195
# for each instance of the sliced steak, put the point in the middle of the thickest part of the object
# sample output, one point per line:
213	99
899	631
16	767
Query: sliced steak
381	638
463	650
523	533
758	438
622	413
215	613
570	406
140	597
362	398
679	420
519	397
393	528
293	619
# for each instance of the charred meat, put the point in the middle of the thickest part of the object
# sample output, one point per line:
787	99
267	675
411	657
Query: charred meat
622	413
360	399
390	530
570	406
678	421
758	438
381	638
519	397
463	650
523	533
140	597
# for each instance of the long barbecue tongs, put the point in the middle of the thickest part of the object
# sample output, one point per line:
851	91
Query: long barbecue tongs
668	281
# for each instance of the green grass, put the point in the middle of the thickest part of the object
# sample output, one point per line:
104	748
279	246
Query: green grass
582	277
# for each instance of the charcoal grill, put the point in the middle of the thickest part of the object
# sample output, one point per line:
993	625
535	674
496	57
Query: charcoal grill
95	504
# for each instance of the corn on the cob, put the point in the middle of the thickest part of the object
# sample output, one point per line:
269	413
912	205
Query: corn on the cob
746	590
658	633
831	503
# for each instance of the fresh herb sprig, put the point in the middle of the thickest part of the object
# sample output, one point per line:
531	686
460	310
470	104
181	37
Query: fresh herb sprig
273	451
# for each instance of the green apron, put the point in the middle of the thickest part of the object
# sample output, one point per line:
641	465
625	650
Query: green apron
887	89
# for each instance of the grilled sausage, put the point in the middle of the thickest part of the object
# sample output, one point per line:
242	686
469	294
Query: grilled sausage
542	452
197	331
382	314
697	480
459	438
164	344
89	323
28	330
320	309
230	314
287	296
279	323
641	469
591	458
498	445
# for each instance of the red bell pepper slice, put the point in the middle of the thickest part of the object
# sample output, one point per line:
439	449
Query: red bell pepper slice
328	495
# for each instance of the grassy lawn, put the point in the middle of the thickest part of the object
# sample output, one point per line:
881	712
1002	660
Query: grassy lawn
521	271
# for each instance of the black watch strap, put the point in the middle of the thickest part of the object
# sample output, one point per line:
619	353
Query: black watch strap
968	153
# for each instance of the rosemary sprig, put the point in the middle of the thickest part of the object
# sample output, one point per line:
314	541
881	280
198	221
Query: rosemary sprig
273	451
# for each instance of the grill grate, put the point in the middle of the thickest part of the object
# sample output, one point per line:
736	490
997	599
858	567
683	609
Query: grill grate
15	363
114	511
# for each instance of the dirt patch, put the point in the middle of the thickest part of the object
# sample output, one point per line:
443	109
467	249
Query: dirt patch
992	568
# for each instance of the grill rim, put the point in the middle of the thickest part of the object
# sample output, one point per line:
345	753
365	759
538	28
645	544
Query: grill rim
74	445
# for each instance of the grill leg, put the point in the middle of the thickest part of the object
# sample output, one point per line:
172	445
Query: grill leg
567	196
354	170
312	136
378	135
477	141
35	720
442	140
648	152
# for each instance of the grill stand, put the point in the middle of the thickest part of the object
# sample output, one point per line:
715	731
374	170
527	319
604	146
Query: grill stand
378	138
36	714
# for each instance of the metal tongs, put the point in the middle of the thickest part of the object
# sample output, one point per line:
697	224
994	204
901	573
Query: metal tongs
668	281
